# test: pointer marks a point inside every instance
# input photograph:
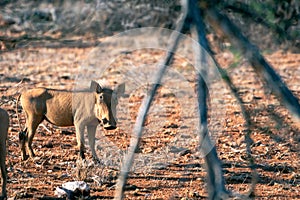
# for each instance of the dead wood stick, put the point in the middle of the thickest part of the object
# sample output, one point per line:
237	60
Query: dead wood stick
138	128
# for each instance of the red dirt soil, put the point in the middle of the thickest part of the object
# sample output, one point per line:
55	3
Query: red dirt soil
167	165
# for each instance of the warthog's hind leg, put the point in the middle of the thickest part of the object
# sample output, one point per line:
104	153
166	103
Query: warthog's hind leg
22	139
32	124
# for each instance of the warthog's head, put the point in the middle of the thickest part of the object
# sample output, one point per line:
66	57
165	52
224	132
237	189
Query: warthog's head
106	102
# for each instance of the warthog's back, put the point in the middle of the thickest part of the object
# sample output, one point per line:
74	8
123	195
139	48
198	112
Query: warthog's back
54	105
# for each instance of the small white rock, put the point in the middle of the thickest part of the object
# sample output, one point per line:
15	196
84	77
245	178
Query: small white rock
73	190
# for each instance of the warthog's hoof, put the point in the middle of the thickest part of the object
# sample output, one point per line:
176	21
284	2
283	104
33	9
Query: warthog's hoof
81	155
24	157
96	160
109	127
22	135
3	197
31	154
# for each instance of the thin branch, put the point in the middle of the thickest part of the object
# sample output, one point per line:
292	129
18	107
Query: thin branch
202	100
216	182
260	65
244	9
138	128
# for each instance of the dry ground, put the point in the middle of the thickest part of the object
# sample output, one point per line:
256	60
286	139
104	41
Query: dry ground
167	165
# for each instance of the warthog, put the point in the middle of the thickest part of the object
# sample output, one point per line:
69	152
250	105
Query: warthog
69	108
4	119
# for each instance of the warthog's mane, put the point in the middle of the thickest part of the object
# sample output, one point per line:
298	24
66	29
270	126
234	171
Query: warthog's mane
104	89
104	85
87	90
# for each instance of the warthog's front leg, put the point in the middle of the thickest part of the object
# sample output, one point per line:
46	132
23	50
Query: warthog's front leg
91	135
80	139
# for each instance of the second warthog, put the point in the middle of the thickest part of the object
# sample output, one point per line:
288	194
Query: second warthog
67	108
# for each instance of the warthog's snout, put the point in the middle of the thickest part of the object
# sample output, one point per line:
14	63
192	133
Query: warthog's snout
105	104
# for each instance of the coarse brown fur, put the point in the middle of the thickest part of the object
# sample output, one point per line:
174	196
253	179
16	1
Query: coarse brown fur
66	108
4	119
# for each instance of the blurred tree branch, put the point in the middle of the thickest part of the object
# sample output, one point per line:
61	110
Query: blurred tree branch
251	52
193	15
216	183
144	108
247	11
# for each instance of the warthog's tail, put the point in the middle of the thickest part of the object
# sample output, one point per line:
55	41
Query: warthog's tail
17	113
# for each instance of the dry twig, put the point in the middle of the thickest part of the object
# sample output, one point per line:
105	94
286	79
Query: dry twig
258	62
138	128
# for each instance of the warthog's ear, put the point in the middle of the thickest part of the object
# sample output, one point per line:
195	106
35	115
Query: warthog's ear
95	87
120	90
